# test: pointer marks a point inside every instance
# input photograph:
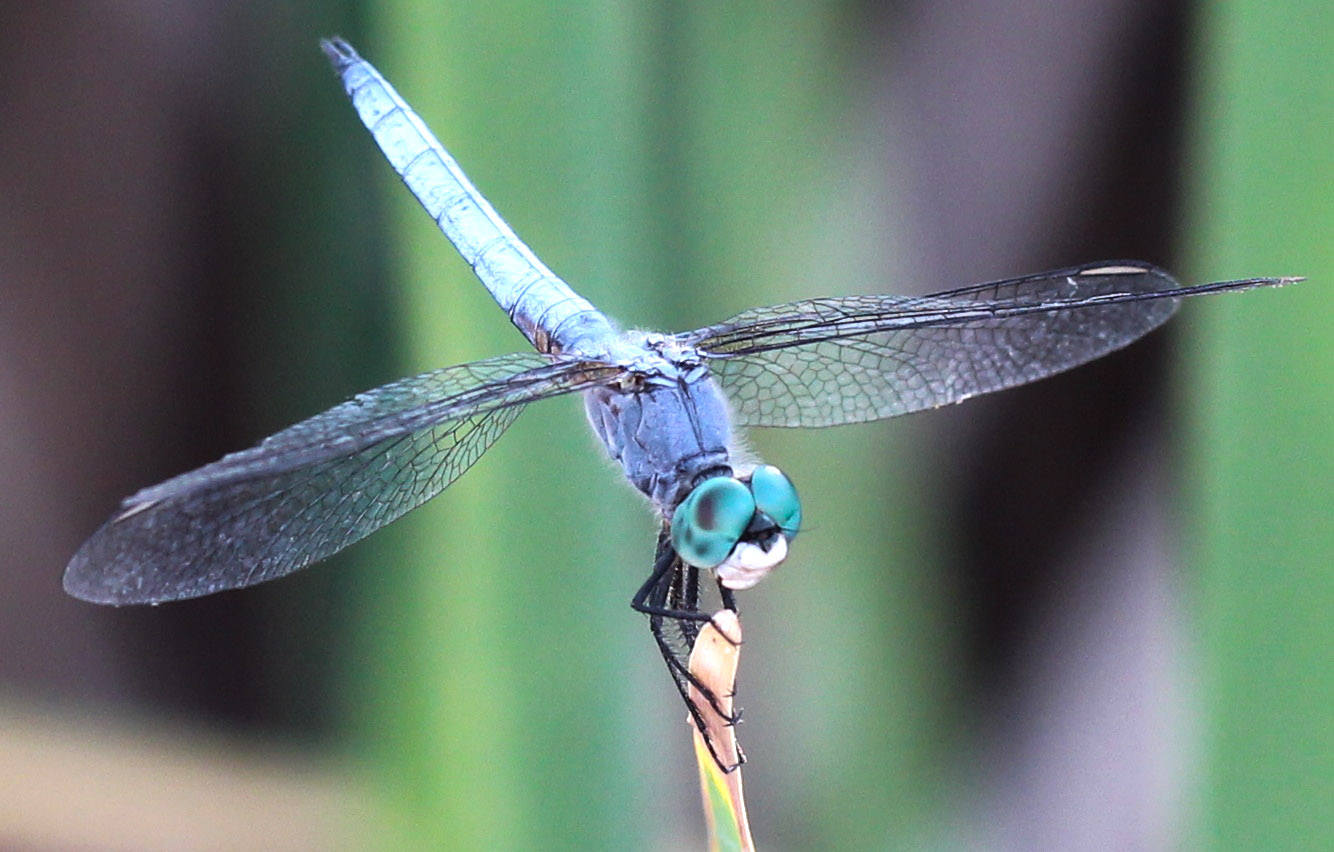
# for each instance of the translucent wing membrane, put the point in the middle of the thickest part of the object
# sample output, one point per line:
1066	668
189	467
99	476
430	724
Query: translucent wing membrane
314	488
825	362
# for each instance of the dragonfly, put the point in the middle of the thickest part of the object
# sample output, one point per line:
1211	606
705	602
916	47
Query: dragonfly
667	407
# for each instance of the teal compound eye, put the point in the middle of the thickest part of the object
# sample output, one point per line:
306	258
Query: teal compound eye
776	496
711	520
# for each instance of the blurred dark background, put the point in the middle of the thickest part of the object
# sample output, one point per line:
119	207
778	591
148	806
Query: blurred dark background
1091	613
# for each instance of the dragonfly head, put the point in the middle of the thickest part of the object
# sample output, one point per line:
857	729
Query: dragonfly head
739	528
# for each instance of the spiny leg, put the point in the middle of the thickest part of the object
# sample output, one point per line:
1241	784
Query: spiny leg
672	592
685	597
728	596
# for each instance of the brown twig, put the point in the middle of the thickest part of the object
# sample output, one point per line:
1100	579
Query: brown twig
713	660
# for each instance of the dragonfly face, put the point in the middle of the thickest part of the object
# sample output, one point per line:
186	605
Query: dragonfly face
738	528
659	402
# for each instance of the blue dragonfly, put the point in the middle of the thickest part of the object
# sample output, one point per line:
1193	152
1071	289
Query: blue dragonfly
663	405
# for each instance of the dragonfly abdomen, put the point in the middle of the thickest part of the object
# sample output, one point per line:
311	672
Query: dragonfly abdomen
535	298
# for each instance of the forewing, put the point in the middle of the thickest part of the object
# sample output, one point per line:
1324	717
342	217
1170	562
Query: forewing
313	489
825	362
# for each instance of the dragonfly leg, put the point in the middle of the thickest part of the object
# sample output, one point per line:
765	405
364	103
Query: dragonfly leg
662	594
671	593
728	596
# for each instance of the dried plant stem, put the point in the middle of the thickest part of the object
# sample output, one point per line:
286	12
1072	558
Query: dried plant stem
714	661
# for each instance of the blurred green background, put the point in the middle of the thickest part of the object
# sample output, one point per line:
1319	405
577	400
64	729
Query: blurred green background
1093	613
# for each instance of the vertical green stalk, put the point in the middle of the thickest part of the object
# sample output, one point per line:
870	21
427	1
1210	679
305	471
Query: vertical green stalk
765	203
499	653
1264	421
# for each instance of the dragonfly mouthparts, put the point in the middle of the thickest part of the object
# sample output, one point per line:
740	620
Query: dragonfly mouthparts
751	563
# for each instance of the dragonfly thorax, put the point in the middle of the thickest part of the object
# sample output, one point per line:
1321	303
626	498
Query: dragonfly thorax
668	432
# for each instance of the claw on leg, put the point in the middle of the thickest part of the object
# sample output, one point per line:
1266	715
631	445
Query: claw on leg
713	665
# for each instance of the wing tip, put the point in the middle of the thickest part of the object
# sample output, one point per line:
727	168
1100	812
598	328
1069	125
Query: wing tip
88	585
93	577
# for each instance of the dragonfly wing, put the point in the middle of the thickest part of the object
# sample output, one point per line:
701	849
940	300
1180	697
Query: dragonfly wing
826	362
313	489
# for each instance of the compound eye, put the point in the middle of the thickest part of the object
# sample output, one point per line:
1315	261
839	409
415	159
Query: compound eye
776	496
710	521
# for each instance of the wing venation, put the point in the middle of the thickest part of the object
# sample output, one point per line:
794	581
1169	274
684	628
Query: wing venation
314	488
826	362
